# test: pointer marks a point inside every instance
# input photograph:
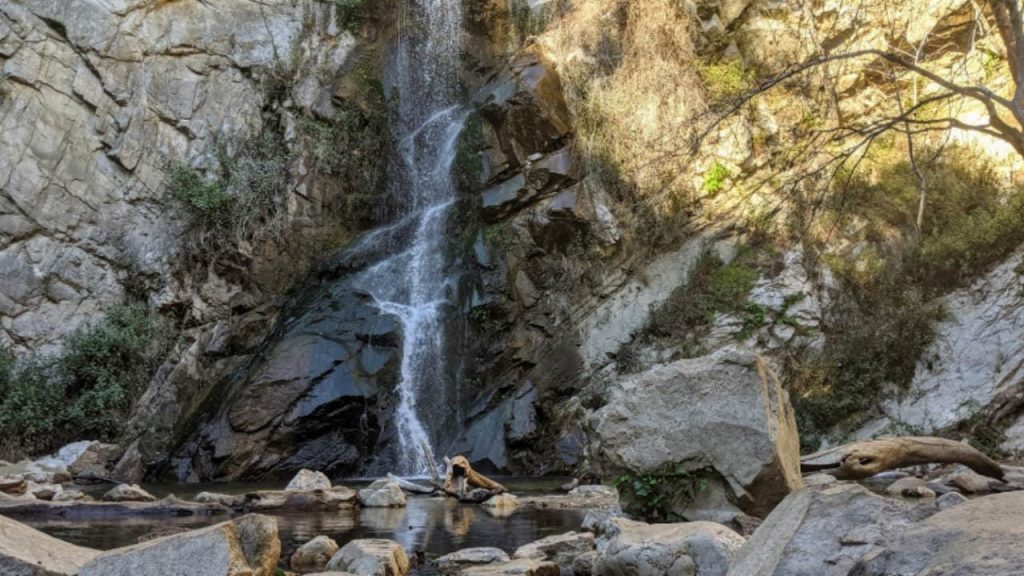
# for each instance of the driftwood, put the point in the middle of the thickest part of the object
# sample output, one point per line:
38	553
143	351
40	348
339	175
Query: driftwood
867	458
458	473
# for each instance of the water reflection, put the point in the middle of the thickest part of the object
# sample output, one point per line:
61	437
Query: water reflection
434	525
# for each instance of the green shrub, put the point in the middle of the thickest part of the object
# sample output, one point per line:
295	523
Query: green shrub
529	21
87	391
350	13
660	495
714	180
205	200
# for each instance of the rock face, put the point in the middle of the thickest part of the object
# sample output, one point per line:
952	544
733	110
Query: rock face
691	548
825	531
371	558
382	493
724	413
970	371
977	538
248	545
307	481
314	555
25	551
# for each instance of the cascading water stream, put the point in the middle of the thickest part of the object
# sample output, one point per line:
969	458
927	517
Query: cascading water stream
412	285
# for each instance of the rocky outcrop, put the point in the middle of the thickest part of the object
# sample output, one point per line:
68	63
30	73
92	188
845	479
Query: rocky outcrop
971	373
825	531
248	545
978	538
371	558
27	552
723	417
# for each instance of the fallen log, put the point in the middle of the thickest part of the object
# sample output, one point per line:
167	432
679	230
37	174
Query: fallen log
866	458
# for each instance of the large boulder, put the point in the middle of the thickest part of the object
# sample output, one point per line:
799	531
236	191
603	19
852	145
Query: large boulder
977	538
724	417
308	481
371	557
314	555
382	493
824	531
686	549
26	551
247	546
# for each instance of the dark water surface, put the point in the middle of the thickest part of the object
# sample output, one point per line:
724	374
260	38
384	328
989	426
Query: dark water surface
432	524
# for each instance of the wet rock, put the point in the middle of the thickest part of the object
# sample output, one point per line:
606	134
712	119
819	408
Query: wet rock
371	557
968	481
586	564
248	545
128	493
314	555
71	496
13	484
595	500
950	499
382	493
229	500
453	563
824	531
977	538
44	491
739	431
562	549
307	481
29	552
918	492
504	501
411	487
335	498
898	487
641	549
520	567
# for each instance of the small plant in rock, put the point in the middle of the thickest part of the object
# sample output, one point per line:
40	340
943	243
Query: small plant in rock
206	200
660	495
714	180
724	80
350	13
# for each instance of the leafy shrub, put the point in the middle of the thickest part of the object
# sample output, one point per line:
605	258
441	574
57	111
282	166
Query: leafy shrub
659	495
205	200
87	391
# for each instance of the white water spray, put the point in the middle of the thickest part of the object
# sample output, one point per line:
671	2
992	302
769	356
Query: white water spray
413	284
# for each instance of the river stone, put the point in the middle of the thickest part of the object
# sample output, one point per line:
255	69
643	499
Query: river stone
520	567
725	415
308	480
71	496
898	487
44	491
504	501
228	500
314	555
950	499
454	562
382	493
823	531
562	549
981	537
247	546
128	493
371	557
13	484
686	549
26	551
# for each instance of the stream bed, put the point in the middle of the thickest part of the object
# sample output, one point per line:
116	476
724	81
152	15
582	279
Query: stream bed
434	525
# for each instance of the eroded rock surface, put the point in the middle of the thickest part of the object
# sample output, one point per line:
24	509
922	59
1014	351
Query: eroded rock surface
25	551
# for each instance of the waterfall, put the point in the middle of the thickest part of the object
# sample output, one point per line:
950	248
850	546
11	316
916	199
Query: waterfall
423	81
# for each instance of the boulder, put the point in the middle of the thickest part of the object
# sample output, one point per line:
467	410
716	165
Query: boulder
520	567
95	462
13	484
977	538
382	493
128	493
453	563
26	551
247	546
950	499
71	496
44	491
314	555
639	549
308	481
724	417
562	549
824	531
504	501
371	557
